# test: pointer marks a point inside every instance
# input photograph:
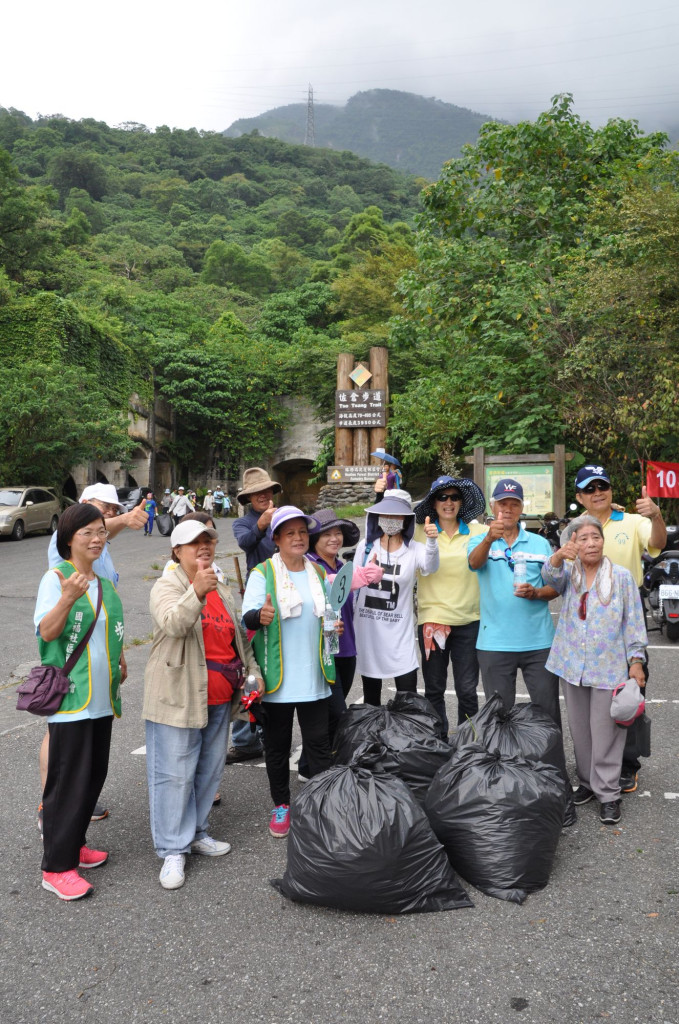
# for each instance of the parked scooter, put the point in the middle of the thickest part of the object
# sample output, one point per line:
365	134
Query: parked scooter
661	586
551	526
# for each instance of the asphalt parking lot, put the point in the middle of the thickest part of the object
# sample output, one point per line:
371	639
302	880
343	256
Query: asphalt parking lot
598	944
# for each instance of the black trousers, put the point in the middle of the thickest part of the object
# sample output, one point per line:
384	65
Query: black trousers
372	688
336	708
76	771
630	755
313	723
345	668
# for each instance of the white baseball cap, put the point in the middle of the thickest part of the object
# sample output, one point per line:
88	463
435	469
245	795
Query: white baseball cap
188	531
102	492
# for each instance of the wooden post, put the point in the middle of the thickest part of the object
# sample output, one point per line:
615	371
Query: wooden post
379	367
560	479
480	467
344	442
361	439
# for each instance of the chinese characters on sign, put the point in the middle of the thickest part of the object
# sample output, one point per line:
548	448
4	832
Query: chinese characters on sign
362	408
353	474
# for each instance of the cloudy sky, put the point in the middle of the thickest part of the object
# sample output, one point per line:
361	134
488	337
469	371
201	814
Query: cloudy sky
207	63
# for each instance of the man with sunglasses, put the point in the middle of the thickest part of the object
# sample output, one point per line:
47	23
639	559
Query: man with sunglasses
626	537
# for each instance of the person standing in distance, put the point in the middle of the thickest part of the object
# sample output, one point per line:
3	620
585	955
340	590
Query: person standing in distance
181	506
253	534
626	537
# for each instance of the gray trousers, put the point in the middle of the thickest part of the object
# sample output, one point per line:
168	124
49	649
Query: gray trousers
597	741
499	669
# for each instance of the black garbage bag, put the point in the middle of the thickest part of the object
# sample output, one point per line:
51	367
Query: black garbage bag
359	841
410	731
499	819
526	730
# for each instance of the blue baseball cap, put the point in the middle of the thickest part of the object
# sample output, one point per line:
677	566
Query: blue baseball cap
507	488
585	476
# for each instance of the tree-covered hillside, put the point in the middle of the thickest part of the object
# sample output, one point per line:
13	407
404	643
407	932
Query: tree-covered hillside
406	131
204	270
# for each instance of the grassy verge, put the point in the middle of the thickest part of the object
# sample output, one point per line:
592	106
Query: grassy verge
350	511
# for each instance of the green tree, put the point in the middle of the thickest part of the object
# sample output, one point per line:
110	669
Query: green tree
54	417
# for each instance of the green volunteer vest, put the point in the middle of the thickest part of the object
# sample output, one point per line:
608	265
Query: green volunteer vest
267	640
56	652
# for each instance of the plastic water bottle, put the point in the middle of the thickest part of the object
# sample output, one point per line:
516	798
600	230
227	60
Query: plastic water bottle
330	629
249	685
520	571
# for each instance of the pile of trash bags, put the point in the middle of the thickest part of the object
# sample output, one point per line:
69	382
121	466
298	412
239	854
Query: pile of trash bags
359	841
410	733
385	829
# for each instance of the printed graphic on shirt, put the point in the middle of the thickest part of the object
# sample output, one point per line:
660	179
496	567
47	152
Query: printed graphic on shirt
383	596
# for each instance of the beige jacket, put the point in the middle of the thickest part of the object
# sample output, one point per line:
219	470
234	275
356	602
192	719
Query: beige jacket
175	681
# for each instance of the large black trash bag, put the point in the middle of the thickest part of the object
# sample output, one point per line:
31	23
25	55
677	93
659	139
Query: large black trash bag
410	731
359	841
499	819
526	730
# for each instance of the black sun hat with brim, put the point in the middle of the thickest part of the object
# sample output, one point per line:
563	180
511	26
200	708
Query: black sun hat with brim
326	519
473	502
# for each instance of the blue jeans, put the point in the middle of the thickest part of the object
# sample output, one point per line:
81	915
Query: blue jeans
243	738
460	650
184	767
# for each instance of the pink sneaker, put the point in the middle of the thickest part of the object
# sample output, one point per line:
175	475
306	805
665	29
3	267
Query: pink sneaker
68	885
279	825
92	858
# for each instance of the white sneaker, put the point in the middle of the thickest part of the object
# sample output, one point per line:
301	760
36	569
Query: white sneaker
172	871
210	847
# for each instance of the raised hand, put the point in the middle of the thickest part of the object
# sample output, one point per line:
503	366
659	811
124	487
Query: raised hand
430	528
264	521
74	587
205	579
496	529
137	518
646	506
267	612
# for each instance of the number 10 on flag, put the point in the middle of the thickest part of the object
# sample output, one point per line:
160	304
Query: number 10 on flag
662	479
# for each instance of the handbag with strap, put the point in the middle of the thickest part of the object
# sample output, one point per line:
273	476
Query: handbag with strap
44	690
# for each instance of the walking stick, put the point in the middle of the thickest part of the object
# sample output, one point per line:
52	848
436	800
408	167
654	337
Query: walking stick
238	575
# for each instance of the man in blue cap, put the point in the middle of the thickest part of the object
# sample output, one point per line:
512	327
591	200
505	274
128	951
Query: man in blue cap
516	628
626	537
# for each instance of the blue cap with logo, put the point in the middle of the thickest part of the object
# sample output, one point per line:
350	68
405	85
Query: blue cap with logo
507	488
585	476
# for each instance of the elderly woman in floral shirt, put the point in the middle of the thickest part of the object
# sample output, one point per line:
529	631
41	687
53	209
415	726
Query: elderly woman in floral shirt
600	641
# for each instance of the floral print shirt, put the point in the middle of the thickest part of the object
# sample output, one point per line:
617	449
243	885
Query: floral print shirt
596	651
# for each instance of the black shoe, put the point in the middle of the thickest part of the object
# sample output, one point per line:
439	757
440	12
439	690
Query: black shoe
610	813
99	813
234	755
628	780
570	817
582	795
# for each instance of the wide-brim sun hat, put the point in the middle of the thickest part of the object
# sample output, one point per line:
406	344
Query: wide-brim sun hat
286	512
105	493
256	480
187	531
392	504
473	502
326	519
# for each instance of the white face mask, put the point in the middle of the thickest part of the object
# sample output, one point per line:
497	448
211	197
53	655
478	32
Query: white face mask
389	527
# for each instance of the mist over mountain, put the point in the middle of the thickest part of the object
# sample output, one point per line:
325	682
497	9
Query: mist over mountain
408	132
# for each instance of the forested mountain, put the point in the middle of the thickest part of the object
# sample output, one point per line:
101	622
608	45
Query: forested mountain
408	132
209	271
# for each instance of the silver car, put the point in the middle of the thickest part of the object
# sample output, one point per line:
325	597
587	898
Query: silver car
27	510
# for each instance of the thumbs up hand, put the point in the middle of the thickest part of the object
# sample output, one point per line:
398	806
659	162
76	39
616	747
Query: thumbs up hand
367	574
72	588
430	528
264	521
646	506
267	612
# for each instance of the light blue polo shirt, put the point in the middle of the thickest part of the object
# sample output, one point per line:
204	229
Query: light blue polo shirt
510	623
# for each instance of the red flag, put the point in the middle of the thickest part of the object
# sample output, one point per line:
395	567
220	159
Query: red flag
662	479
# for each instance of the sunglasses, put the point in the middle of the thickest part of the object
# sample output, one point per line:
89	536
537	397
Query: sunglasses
582	607
597	485
447	497
510	561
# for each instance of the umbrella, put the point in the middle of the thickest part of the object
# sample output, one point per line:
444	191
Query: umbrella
381	454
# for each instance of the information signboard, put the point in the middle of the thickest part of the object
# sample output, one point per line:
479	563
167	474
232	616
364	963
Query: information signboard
537	482
361	408
353	474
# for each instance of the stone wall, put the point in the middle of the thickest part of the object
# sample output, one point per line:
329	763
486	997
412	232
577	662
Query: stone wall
336	495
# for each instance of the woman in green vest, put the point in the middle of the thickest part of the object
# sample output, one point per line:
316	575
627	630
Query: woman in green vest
284	603
80	731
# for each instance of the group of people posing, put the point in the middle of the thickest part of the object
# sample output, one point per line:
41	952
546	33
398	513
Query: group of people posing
483	603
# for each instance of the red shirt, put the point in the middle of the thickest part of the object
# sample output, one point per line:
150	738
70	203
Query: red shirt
218	635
